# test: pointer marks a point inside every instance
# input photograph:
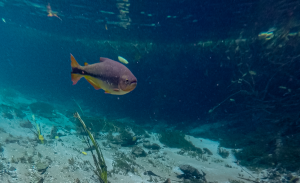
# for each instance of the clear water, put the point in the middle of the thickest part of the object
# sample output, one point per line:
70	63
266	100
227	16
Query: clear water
224	73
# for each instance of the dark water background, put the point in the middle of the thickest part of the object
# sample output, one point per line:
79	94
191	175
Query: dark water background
40	65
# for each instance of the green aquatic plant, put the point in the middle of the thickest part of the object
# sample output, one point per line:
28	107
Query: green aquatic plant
223	153
176	139
38	132
101	168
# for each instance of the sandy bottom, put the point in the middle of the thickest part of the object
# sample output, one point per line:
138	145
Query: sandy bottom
66	163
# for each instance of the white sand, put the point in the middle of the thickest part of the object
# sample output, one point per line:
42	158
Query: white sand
58	154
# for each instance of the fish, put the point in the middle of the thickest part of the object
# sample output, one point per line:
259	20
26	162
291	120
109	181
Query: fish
123	60
111	76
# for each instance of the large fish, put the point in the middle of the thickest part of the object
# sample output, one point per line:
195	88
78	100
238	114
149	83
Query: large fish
109	75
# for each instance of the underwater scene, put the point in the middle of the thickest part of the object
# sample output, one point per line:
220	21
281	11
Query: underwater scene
140	91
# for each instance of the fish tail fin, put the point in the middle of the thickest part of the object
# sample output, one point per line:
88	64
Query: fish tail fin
75	78
74	63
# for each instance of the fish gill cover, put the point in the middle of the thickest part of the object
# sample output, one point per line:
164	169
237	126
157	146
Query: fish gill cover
218	90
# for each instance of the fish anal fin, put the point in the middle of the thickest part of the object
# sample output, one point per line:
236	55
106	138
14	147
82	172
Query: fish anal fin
74	63
106	92
75	78
102	59
85	64
93	82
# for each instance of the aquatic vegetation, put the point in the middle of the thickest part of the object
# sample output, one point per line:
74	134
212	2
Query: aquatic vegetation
101	168
1	166
42	109
41	166
177	139
153	146
228	166
53	132
1	148
7	115
26	124
235	181
206	150
124	164
223	153
30	159
38	131
138	152
11	139
71	161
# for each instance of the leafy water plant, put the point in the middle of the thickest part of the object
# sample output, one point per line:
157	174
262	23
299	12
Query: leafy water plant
101	168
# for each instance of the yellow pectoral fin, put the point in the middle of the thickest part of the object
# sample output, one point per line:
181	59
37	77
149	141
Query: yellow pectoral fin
93	81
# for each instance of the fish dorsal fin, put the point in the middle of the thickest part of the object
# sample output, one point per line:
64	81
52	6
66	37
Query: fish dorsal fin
102	59
85	64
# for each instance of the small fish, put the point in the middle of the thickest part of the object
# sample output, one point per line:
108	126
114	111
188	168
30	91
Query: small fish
3	20
266	35
84	153
123	60
111	76
56	137
231	100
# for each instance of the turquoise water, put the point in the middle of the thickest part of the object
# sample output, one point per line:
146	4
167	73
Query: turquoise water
217	89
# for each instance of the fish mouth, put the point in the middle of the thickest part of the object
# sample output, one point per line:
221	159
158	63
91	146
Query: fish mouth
131	86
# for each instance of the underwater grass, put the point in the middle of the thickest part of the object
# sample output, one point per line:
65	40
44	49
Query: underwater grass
176	139
101	168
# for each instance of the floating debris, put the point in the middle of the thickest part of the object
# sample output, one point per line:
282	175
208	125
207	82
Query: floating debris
107	12
252	72
282	87
123	60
